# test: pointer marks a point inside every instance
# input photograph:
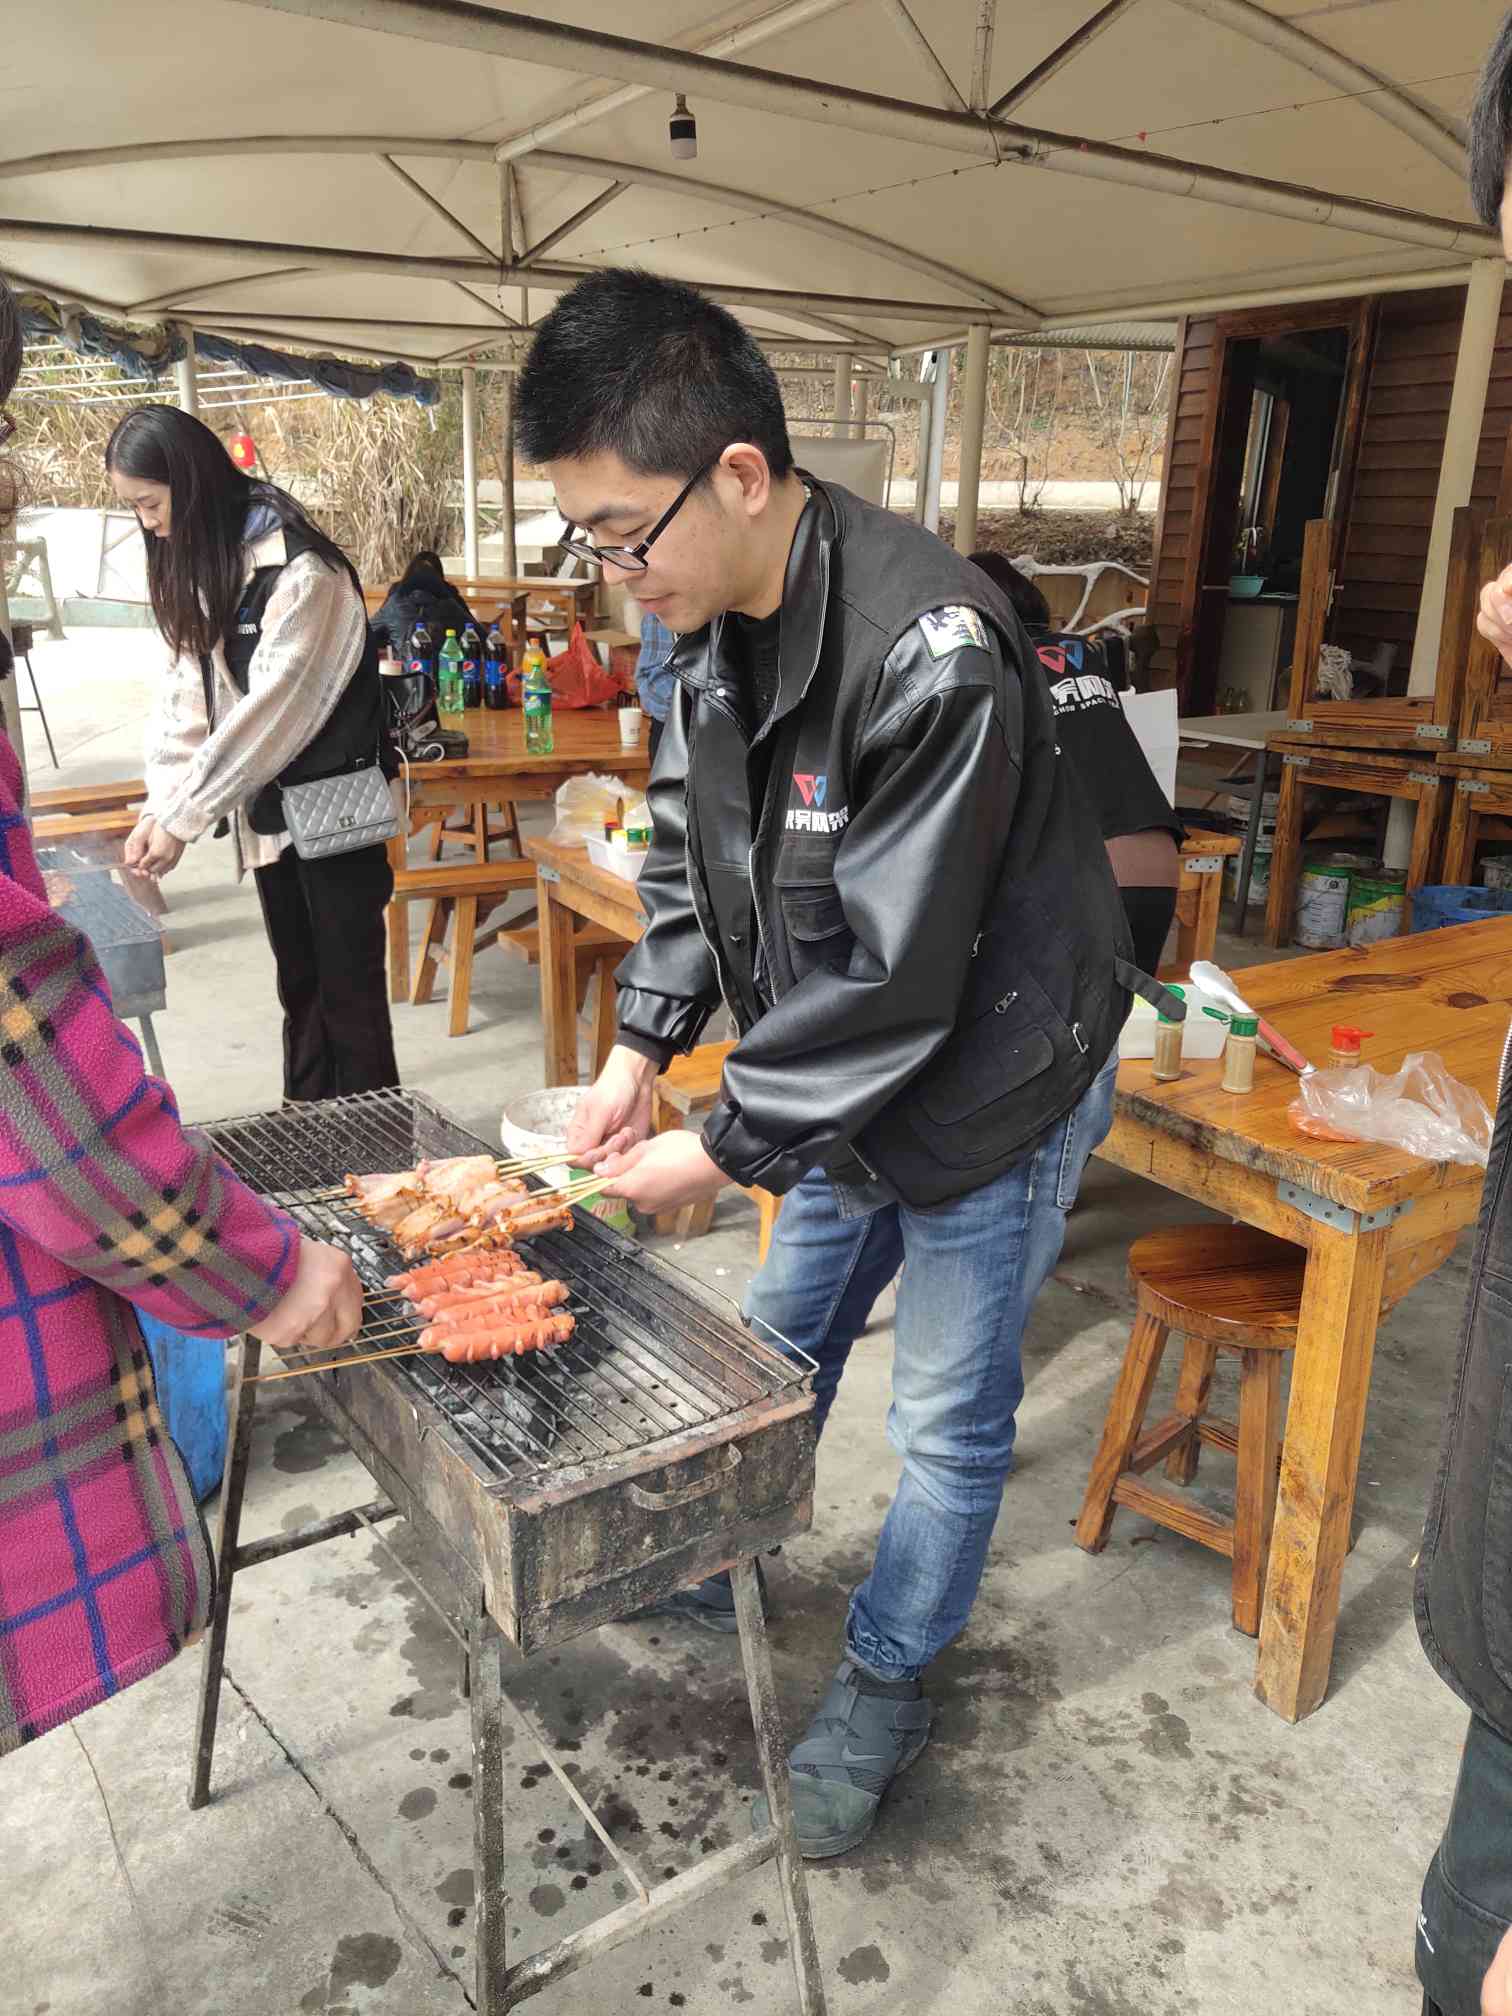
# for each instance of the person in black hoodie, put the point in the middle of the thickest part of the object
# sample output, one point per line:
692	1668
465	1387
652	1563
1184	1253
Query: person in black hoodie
422	594
1464	1584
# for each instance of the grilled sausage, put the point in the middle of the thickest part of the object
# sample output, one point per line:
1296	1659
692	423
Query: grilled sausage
461	1346
458	1270
467	1305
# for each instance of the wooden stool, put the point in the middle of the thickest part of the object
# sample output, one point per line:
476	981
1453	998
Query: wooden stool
1226	1288
455	893
687	1089
474	831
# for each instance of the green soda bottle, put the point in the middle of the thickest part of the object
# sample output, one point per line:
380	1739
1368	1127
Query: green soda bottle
535	692
449	683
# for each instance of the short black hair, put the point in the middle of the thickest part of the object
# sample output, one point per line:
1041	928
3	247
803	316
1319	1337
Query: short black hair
1491	129
1028	601
651	371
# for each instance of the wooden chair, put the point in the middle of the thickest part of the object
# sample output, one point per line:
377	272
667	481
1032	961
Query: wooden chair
455	892
1225	1288
598	952
688	1089
1199	893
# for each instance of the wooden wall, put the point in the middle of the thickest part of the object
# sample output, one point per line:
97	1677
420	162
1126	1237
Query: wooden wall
1385	540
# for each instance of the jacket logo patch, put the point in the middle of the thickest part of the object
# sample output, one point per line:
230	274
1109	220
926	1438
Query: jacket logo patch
952	629
1059	659
811	789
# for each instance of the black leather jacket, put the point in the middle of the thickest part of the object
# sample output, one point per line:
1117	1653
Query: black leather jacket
915	927
1464	1580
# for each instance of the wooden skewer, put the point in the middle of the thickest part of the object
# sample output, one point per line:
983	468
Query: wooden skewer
336	1364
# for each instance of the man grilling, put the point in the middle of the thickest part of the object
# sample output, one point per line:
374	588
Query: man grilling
867	848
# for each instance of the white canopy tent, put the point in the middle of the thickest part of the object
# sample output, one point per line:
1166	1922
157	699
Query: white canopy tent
420	179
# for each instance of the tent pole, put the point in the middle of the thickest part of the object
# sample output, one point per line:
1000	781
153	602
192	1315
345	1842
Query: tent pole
973	423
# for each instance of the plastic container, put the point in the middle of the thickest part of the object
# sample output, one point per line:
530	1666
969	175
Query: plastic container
1444	903
190	1376
1260	873
1239	1053
1377	905
626	862
537	1122
1244	587
1202	1033
1322	905
1496	871
1344	1045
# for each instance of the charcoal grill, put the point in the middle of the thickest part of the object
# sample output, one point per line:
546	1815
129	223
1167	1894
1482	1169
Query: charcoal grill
556	1491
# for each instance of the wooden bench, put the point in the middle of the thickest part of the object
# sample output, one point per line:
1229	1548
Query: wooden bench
528	602
73	799
597	952
455	892
687	1089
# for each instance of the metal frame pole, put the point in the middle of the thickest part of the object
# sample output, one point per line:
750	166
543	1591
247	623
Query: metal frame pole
973	424
469	469
939	405
188	377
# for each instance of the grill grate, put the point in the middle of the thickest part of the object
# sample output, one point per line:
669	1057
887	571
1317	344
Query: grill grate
654	1354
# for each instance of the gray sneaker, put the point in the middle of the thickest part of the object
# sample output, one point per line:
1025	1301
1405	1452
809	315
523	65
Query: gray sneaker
709	1604
851	1752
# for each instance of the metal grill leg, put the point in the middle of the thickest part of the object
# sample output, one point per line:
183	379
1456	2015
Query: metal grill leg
771	1753
233	1485
489	1902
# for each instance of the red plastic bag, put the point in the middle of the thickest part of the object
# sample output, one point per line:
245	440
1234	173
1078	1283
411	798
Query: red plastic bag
577	678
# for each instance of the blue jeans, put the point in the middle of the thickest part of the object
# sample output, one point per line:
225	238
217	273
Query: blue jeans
971	1271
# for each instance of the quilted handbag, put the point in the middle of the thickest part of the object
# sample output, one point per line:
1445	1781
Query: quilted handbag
337	815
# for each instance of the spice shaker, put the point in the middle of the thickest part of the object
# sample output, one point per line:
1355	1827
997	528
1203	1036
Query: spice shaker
1344	1045
1166	1064
1239	1053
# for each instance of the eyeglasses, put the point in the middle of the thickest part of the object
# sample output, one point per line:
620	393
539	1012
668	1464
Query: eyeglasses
632	559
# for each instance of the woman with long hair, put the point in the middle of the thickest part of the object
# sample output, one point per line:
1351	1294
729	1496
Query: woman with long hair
106	1206
272	680
422	594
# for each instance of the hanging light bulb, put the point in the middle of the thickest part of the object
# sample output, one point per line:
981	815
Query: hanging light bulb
682	130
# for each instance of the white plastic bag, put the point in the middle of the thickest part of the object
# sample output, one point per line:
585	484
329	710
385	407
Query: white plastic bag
1420	1108
584	804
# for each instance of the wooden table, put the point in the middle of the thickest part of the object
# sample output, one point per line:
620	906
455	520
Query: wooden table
498	769
1374	1221
569	886
1248	733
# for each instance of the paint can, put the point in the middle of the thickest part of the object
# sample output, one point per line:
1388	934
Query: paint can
1322	905
1377	901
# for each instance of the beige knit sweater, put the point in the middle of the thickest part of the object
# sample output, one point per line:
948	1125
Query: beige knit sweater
199	771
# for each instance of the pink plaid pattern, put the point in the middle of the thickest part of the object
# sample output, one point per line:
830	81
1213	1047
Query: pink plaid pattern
105	1201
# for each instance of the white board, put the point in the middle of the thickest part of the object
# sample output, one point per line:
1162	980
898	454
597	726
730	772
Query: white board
1152	716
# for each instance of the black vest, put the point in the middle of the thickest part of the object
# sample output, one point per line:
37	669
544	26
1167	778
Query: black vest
353	735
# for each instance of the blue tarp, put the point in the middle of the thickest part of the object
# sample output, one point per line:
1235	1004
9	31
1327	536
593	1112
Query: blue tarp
147	353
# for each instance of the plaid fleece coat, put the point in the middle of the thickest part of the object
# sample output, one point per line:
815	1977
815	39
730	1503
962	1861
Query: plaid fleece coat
105	1201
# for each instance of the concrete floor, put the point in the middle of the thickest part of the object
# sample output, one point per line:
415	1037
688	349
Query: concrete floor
1105	1822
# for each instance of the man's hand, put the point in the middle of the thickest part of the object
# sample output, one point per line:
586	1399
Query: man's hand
660	1174
322	1309
1494	621
1496	1989
615	1112
151	848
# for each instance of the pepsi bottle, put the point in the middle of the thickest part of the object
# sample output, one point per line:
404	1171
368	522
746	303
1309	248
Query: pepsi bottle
495	669
472	666
420	661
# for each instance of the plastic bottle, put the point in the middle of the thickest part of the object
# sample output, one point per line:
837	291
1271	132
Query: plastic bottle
535	694
1239	1053
422	655
449	682
495	669
472	666
1344	1045
1166	1063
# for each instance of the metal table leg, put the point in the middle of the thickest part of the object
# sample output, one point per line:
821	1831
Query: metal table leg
490	1908
1251	835
771	1753
233	1488
150	1045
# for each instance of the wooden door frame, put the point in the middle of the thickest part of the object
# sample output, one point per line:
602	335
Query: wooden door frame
1358	315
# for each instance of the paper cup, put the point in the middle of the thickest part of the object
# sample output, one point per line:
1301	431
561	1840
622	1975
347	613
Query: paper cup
629	719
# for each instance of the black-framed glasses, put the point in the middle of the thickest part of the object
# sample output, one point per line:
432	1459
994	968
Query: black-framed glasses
632	559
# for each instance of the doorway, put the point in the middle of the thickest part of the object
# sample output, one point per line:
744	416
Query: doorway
1284	414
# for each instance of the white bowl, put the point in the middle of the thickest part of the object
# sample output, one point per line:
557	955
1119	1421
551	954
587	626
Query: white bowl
536	1122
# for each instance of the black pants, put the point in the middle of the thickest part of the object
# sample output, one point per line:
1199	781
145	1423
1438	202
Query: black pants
1149	912
324	920
1467	1893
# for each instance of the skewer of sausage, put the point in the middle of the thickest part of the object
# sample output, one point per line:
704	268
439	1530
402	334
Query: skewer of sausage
462	1304
506	1309
458	1270
467	1346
